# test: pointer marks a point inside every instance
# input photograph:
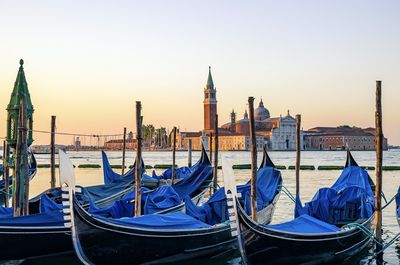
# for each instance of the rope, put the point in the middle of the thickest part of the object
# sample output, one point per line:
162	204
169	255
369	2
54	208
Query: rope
387	204
386	245
79	134
288	193
365	231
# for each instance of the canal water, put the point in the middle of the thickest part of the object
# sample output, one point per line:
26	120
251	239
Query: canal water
311	181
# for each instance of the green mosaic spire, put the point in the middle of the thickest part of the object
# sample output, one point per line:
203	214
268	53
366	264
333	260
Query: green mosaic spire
19	92
210	83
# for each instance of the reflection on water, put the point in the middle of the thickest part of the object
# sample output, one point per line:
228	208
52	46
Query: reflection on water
311	181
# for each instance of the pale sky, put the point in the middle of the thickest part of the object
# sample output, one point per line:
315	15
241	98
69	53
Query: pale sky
87	62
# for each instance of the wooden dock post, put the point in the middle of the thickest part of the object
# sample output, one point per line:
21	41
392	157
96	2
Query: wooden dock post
6	174
298	146
5	169
378	181
190	153
173	154
215	184
53	153
253	142
21	169
123	151
138	169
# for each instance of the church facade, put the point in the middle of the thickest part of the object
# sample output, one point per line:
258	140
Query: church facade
279	133
276	133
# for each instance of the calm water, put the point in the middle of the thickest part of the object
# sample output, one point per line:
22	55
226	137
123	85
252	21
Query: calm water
311	181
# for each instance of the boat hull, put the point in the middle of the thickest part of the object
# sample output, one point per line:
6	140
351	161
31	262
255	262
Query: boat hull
277	247
24	242
100	242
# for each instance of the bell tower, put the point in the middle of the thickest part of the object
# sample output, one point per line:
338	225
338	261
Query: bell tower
19	92
210	104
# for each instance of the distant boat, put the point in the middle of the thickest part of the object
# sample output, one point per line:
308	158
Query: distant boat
328	228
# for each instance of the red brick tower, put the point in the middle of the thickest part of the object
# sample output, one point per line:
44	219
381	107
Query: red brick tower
210	104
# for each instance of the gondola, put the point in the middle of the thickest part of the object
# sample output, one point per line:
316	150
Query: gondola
328	228
32	174
45	232
170	237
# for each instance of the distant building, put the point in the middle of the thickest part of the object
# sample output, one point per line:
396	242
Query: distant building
118	144
279	133
337	138
210	104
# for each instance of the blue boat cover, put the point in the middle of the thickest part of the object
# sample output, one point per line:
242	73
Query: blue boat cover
170	221
305	224
398	202
180	173
98	192
160	199
47	205
6	212
214	211
154	201
349	198
188	185
268	180
35	220
109	175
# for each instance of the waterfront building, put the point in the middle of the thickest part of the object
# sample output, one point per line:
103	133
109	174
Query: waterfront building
279	133
338	138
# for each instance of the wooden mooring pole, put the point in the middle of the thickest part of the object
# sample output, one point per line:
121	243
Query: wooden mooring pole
6	174
215	184
190	153
53	153
253	142
378	181
173	154
21	169
123	151
138	169
298	146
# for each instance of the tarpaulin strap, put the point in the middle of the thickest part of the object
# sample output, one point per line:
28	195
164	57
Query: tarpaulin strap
365	231
288	193
387	203
385	246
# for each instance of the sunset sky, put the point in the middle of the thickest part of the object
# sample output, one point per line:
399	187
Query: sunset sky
87	62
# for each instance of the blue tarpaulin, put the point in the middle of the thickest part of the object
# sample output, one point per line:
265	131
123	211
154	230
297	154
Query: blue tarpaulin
305	224
214	211
160	199
349	199
398	202
188	185
35	220
180	173
171	221
268	181
47	205
6	212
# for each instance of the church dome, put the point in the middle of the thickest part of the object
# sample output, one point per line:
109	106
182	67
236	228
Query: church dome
261	113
